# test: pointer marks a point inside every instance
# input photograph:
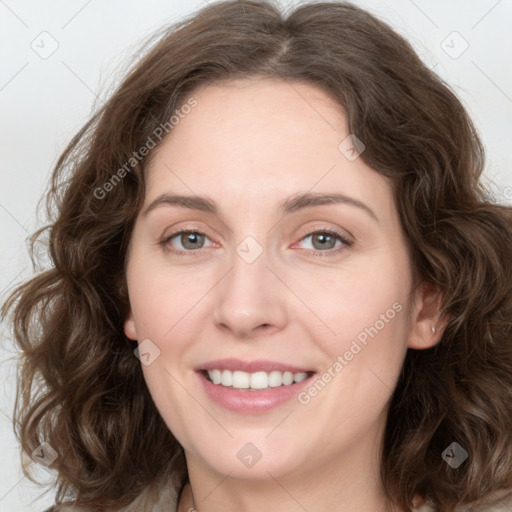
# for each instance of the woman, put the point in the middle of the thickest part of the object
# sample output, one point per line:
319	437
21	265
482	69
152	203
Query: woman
278	284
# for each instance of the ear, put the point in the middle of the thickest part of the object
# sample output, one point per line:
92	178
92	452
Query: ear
129	326
427	325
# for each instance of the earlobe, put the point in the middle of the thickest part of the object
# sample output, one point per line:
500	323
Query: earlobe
427	324
129	326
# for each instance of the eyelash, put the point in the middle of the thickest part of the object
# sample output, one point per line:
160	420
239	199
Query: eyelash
326	253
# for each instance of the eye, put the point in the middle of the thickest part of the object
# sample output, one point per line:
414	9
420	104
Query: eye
325	240
191	241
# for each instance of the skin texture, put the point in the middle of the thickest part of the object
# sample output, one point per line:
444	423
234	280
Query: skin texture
248	145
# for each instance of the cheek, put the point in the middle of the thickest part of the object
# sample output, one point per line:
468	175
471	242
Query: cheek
161	299
364	313
357	296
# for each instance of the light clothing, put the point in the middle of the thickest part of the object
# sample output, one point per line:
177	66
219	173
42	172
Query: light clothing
167	502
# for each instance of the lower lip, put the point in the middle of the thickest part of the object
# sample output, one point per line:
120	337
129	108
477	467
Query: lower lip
247	401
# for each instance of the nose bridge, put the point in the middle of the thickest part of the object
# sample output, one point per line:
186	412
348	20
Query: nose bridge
250	295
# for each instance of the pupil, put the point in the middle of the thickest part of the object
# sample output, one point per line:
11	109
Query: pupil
323	237
193	238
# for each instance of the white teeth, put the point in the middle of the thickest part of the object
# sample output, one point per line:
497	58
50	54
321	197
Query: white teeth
299	377
259	380
216	376
240	379
287	378
256	380
226	378
275	379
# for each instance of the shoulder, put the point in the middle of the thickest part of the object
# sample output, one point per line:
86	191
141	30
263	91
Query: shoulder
138	505
161	499
425	507
498	501
160	496
66	508
133	507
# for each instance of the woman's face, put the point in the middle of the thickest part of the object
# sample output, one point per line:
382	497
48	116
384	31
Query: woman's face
275	278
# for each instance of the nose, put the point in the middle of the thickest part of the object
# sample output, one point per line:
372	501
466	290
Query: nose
250	300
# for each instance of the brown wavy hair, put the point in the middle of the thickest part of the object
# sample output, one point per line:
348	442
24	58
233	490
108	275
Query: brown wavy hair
80	387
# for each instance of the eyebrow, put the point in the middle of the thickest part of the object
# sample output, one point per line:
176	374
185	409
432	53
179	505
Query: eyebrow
291	204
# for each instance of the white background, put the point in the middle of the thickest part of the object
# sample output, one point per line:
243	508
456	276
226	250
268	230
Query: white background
45	101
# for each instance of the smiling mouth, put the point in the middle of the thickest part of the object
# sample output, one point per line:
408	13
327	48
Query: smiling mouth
254	381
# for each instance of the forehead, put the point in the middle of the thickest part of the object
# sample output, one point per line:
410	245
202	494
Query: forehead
261	137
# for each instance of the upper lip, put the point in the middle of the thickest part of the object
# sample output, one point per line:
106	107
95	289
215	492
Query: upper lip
255	365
